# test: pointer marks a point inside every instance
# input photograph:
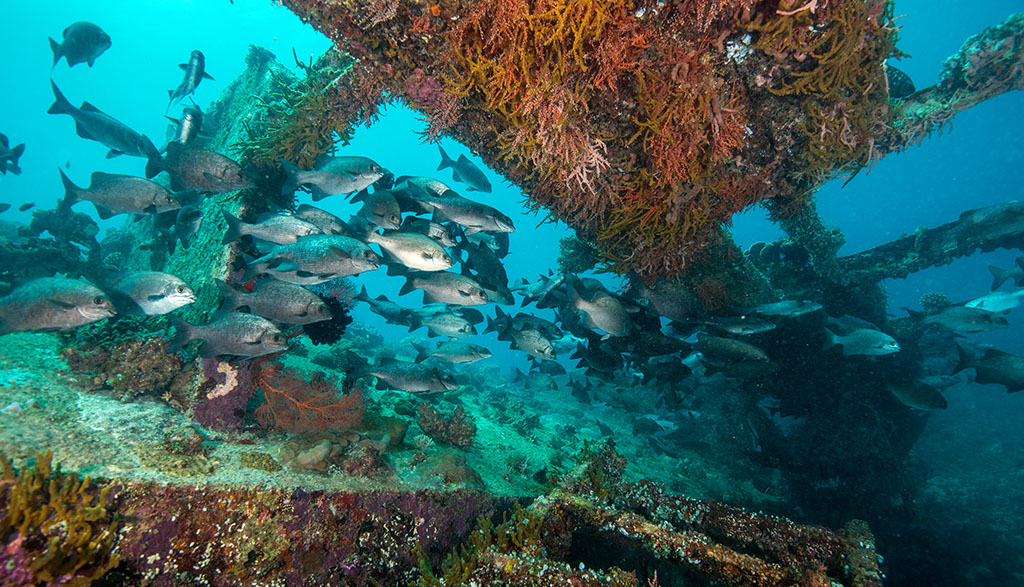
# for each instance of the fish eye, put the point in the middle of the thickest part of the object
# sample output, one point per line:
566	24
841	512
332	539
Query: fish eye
180	289
98	301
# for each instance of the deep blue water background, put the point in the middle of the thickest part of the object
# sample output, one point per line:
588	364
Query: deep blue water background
979	161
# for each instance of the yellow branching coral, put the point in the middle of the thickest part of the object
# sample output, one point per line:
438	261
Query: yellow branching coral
62	529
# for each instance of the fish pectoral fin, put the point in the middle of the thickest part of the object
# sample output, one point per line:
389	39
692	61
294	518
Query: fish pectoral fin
60	304
82	132
154	297
208	76
183	66
114	153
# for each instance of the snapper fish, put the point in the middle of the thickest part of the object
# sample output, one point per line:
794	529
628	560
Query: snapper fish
200	170
9	156
53	303
332	176
151	293
276	300
863	341
280	229
234	334
195	72
465	172
114	194
454	352
91	123
83	43
962	318
316	258
997	301
445	287
185	129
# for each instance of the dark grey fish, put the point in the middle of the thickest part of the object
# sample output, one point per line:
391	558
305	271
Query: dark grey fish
316	258
597	357
670	299
464	171
445	287
328	223
994	222
381	210
411	377
233	334
185	129
119	194
200	170
999	275
186	225
195	72
385	308
728	349
863	341
499	295
26	207
280	229
550	367
995	366
9	156
53	303
485	266
92	124
918	395
333	176
454	352
275	300
434	230
964	319
900	84
151	293
5	207
83	43
418	188
940	382
531	341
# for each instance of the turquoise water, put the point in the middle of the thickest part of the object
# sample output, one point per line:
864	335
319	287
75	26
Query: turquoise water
966	457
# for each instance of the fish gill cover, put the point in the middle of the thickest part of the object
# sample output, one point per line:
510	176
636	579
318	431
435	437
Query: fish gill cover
230	332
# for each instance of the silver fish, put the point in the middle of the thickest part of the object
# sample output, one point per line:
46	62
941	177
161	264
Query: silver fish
92	124
9	156
234	334
327	222
997	301
413	250
333	176
201	170
434	230
119	194
385	308
316	258
53	303
531	342
464	171
381	209
603	311
430	195
863	341
445	287
787	308
186	129
151	293
454	352
729	349
412	377
83	43
275	300
278	229
442	323
742	325
195	72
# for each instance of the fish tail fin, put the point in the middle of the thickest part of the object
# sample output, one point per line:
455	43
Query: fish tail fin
422	352
831	339
156	164
408	287
291	183
964	359
231	295
55	47
363	295
60	104
182	333
234	231
357	366
70	192
446	161
12	163
999	276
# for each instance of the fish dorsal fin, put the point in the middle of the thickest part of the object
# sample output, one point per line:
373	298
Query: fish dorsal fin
100	177
321	161
87	107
